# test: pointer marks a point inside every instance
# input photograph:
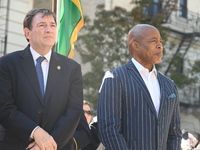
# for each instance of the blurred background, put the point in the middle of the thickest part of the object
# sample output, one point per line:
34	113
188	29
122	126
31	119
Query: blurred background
101	43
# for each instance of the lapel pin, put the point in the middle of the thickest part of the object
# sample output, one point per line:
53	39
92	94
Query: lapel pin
58	67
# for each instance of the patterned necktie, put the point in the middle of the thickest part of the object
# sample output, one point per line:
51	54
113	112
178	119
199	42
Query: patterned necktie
40	73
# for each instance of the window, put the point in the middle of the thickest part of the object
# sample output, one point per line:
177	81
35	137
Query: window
153	9
183	8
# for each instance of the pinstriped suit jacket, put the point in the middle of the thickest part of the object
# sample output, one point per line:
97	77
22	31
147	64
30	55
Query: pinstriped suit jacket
127	118
22	107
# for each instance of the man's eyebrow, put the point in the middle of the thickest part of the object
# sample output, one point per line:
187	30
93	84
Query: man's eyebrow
53	23
155	38
42	22
45	22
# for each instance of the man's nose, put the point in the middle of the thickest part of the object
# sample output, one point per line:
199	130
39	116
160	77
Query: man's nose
160	45
48	28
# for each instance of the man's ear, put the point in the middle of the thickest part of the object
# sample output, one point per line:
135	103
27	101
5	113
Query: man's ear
134	45
26	33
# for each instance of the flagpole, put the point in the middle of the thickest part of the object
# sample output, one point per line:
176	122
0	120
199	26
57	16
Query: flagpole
54	9
54	6
57	12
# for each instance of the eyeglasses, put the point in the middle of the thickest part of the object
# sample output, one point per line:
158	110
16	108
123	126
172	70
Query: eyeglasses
88	112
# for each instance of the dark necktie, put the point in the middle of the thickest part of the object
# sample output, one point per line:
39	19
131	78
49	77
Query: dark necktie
40	74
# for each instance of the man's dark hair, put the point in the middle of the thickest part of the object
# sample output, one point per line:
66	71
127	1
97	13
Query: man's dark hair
29	17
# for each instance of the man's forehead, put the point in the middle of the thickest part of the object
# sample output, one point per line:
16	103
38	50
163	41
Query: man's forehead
41	18
150	33
152	37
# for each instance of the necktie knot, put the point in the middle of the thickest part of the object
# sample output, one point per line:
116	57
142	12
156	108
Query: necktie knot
40	59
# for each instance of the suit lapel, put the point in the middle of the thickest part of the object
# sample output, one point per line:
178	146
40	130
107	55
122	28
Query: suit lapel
162	92
28	67
141	84
54	71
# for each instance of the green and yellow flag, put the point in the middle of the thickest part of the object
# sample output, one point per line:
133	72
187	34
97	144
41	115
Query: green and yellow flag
70	21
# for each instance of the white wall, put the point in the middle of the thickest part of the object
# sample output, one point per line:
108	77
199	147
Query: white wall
89	7
111	4
17	11
193	5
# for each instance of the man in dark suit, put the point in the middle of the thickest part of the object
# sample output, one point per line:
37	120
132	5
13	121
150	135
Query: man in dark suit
40	115
138	107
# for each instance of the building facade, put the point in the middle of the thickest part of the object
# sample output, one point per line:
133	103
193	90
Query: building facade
11	30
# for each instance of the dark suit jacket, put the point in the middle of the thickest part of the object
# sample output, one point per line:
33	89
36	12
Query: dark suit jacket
22	107
127	118
82	134
94	143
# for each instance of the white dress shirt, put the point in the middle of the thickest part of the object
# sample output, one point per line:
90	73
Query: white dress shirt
44	64
151	81
45	70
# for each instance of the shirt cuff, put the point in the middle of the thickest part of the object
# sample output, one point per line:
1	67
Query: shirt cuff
31	136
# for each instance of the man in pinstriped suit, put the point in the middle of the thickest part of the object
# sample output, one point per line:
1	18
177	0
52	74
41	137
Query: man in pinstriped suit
138	107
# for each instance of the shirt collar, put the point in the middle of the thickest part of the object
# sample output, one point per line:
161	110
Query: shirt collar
141	68
36	54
